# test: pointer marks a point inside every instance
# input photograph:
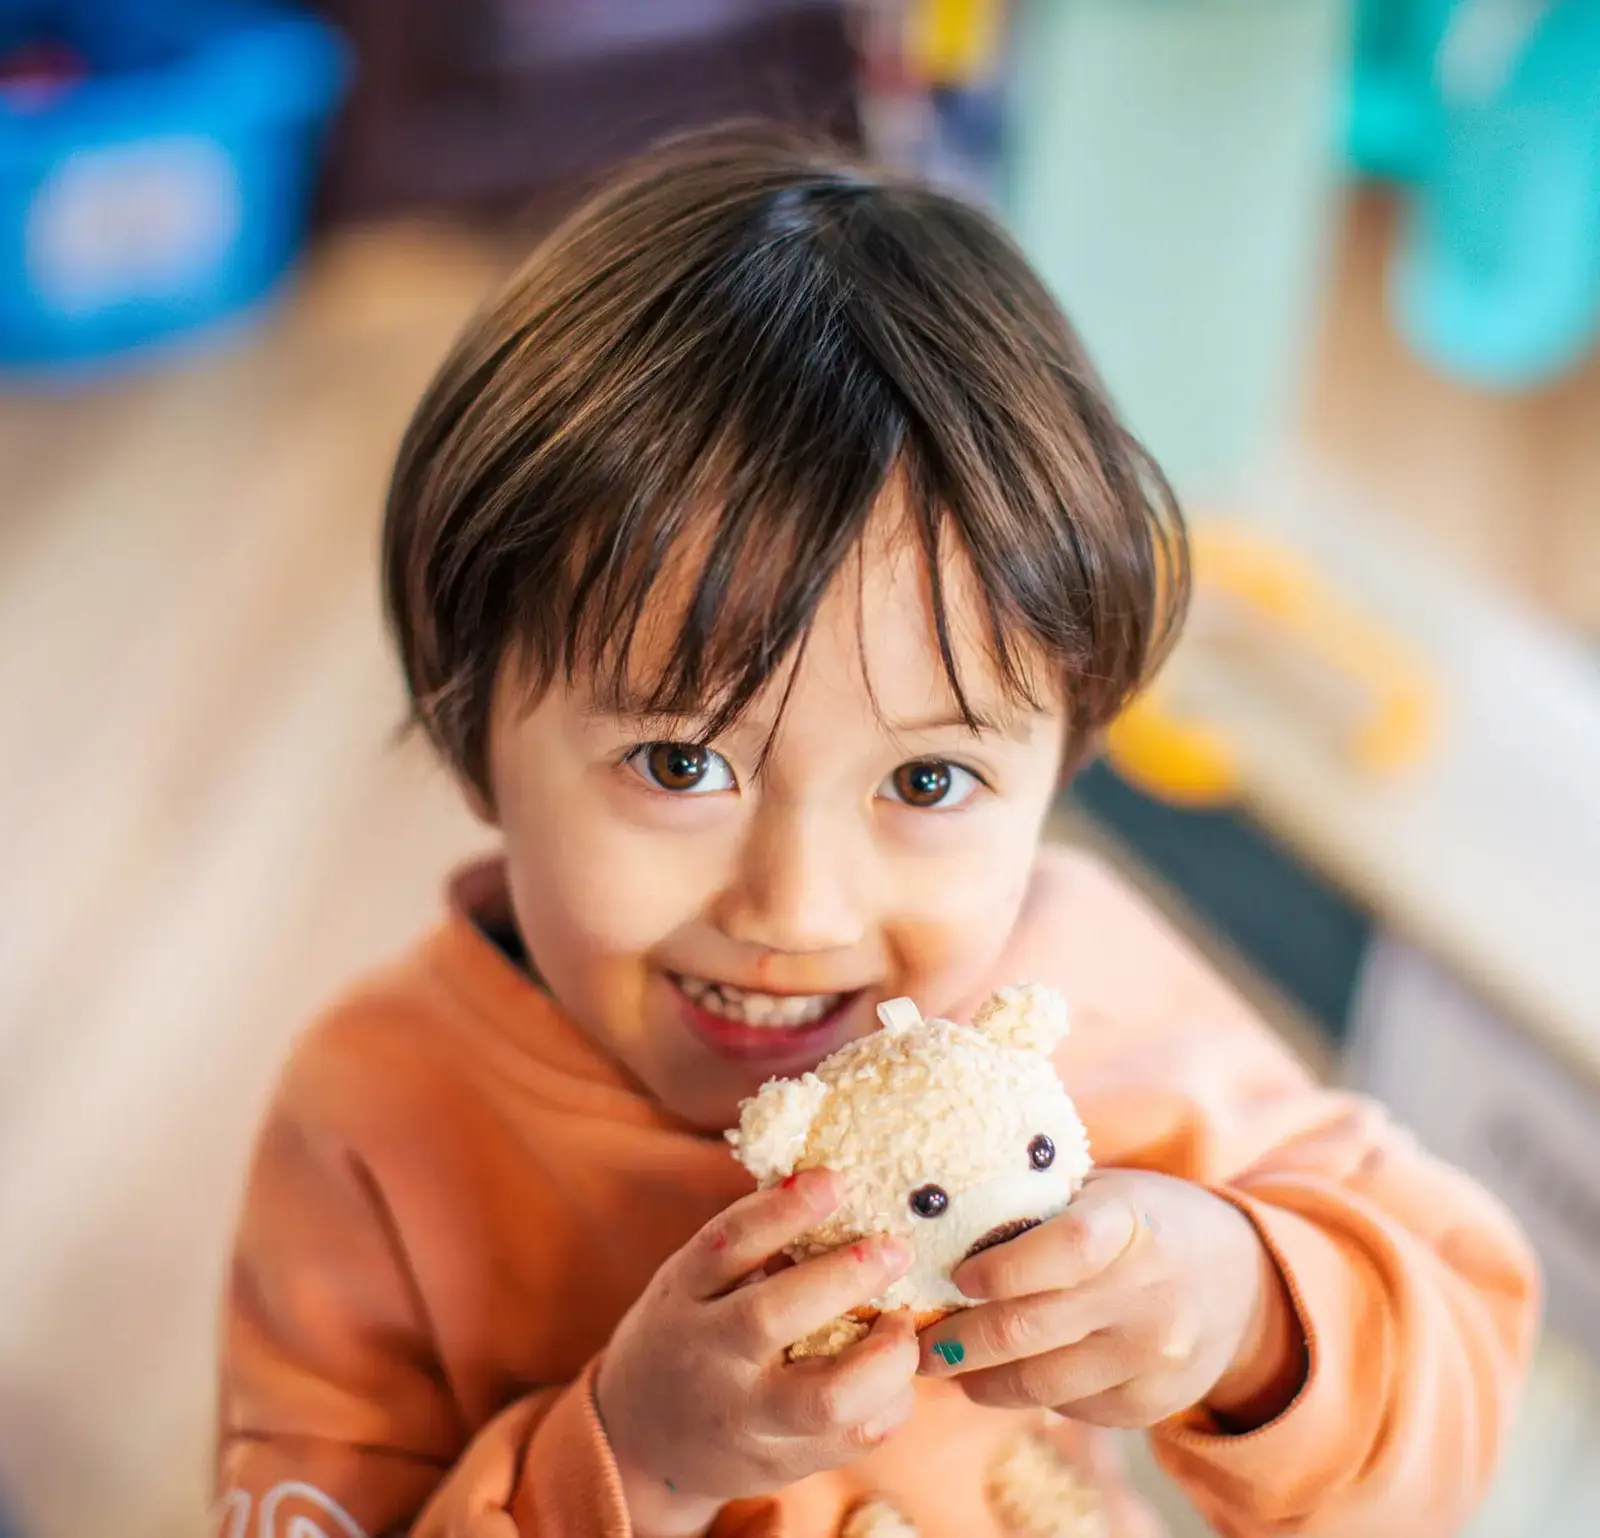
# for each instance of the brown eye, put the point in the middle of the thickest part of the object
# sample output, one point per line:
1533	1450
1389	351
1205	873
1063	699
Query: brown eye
1041	1152
931	785
677	765
923	784
929	1201
683	767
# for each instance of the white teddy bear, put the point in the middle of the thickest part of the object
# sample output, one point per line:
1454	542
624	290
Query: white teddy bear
956	1138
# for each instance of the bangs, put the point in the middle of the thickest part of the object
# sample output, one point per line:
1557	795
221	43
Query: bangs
680	421
695	608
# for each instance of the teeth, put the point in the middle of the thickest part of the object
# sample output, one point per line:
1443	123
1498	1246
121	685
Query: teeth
760	1009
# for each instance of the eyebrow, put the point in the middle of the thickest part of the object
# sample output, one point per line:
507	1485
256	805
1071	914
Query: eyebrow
1018	727
637	715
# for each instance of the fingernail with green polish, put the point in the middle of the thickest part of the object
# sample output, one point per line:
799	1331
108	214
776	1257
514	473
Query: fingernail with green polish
951	1352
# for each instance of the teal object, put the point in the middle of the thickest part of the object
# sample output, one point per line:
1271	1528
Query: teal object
1173	168
1393	107
1498	277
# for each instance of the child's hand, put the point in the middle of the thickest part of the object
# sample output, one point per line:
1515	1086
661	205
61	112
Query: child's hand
1146	1296
694	1391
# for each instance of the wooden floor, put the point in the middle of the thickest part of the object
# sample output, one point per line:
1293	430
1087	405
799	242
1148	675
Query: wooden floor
205	827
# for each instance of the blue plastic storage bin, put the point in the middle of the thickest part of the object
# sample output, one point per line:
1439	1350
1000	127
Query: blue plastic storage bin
167	190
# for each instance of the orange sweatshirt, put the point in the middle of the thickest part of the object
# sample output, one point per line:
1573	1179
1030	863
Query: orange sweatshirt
455	1197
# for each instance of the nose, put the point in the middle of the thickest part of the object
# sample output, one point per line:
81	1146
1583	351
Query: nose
799	887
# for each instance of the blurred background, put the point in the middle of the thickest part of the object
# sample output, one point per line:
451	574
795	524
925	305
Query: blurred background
1340	263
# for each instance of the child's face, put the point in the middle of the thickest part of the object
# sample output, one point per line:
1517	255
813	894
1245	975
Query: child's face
711	926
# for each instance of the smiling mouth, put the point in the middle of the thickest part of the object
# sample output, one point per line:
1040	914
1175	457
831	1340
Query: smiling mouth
769	1028
1000	1235
760	1011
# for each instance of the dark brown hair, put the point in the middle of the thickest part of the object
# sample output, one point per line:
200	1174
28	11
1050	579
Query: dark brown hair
727	352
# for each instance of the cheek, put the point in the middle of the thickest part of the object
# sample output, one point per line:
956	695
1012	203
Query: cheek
946	934
975	863
587	879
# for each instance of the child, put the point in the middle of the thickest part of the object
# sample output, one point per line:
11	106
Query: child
761	560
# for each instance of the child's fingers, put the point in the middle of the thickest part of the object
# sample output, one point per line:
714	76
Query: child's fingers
1057	1379
772	1315
748	1234
1065	1252
1134	1405
982	1337
861	1395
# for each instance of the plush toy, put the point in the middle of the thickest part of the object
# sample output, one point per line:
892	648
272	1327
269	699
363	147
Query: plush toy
1034	1491
954	1137
958	1138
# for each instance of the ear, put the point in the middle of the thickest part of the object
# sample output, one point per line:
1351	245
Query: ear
1031	1018
774	1125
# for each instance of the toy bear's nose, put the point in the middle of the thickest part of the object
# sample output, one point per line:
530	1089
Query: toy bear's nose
1000	1234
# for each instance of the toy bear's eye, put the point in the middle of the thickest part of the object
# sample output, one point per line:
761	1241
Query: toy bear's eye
929	1201
1041	1152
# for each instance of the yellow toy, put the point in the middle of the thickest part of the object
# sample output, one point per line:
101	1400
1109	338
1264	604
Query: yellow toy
1264	618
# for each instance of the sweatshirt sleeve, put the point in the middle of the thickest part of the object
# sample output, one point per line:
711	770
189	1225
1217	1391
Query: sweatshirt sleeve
336	1417
1416	1294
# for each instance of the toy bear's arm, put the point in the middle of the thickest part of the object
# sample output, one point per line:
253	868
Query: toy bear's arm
1416	1293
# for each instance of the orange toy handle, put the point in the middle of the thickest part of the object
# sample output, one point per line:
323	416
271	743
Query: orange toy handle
1379	693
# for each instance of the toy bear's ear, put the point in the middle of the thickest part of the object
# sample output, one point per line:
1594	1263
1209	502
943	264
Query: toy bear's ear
897	1016
1031	1018
775	1123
